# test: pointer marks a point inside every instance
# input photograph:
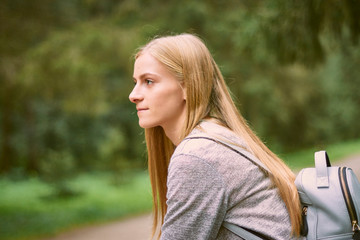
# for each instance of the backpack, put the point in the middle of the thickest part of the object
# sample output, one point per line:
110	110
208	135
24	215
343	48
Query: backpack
330	197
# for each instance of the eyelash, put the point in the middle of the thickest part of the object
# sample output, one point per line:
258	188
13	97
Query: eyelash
147	81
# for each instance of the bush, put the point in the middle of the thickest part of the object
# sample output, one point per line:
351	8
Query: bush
57	168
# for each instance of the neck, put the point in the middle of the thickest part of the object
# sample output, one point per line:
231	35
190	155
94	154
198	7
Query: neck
173	134
174	129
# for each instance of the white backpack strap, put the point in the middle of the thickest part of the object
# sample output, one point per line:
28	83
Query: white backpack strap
322	163
241	232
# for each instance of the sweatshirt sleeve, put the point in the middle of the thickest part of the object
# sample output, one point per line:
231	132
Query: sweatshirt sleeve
196	200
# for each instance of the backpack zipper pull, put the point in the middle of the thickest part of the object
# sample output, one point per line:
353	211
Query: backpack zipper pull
305	208
356	230
355	226
305	228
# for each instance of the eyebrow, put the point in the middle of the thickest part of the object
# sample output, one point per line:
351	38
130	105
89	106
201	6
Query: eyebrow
146	74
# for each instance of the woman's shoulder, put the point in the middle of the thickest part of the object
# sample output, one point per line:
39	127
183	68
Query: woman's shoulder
199	148
201	142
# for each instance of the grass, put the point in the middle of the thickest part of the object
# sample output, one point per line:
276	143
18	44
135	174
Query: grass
26	211
336	152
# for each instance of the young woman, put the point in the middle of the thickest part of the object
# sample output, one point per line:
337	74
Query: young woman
199	184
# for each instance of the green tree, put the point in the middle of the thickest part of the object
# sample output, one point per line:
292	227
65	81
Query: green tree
65	70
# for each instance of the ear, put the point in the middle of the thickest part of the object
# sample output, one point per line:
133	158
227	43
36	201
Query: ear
184	91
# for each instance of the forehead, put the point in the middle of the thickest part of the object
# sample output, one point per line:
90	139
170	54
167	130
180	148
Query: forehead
146	63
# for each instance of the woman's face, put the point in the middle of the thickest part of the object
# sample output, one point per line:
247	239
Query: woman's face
158	95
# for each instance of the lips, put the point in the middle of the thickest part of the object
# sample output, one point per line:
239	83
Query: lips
141	109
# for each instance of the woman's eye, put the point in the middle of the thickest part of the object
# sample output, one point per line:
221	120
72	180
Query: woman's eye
149	82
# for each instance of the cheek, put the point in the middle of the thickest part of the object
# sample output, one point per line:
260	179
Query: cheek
170	101
173	98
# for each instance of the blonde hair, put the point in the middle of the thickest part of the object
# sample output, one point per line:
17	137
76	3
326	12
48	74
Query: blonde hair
187	57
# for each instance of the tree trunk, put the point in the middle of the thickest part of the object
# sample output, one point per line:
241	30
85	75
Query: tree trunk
6	150
32	165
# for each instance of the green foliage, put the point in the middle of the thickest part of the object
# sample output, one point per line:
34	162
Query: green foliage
22	203
57	168
294	28
292	66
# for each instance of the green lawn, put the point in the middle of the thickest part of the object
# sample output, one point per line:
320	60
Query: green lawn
336	152
27	213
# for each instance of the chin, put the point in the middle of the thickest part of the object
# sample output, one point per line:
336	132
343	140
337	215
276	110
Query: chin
145	125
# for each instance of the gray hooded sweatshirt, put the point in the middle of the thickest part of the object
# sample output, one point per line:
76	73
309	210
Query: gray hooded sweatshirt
209	184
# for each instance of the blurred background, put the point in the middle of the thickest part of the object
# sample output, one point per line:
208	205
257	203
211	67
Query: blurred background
71	150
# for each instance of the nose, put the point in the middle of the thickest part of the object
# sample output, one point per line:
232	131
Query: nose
135	95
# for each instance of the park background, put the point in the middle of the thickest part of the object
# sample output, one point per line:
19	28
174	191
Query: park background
71	150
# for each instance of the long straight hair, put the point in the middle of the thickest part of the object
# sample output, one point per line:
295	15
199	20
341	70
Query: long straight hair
187	57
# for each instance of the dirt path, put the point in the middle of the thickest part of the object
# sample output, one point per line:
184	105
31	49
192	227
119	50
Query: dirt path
139	228
352	162
135	228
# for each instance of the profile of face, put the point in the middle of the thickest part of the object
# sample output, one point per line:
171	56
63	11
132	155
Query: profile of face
158	94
